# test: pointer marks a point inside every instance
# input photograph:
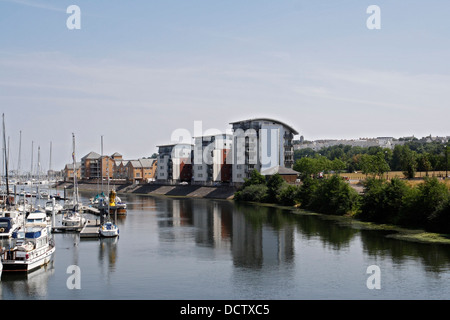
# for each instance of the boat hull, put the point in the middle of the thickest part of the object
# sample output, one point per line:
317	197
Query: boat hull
28	265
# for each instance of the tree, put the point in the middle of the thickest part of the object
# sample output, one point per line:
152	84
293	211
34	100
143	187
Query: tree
255	178
273	187
408	162
374	164
424	163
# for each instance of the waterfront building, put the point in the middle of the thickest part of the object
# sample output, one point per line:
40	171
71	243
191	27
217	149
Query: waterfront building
120	170
212	158
141	170
90	166
69	172
260	144
174	163
95	166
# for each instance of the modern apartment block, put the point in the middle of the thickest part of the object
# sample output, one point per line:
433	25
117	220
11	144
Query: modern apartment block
175	163
212	158
261	144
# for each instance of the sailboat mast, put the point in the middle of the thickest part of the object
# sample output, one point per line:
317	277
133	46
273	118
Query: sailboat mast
101	166
50	164
31	169
20	151
38	196
6	161
75	189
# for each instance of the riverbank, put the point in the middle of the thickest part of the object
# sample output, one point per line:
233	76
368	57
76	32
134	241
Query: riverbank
194	191
226	192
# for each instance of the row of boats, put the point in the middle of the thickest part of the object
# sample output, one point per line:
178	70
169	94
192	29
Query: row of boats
29	228
32	243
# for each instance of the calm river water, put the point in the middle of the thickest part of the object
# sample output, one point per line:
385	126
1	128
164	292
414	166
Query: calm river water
206	249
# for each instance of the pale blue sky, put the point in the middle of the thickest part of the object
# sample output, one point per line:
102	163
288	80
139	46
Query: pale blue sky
138	70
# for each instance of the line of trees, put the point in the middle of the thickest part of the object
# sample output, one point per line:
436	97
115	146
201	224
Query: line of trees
426	205
411	157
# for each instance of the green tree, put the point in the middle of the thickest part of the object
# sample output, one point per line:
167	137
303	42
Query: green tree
254	192
255	178
408	162
273	187
427	200
424	163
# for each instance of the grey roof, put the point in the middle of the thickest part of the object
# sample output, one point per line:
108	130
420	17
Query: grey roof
280	170
268	119
142	163
91	155
116	154
70	165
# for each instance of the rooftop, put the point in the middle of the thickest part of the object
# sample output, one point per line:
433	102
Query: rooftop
268	119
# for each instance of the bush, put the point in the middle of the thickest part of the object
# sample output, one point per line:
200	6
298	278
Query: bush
330	196
255	192
425	203
288	195
383	201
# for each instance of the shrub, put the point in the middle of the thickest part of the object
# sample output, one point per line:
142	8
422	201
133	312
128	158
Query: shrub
255	192
426	202
288	195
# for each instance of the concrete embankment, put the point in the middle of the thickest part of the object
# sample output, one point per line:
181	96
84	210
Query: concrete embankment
194	191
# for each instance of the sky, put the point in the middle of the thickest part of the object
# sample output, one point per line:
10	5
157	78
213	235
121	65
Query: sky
136	71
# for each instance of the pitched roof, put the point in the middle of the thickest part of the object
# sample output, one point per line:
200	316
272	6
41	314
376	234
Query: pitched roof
69	166
280	170
142	163
91	155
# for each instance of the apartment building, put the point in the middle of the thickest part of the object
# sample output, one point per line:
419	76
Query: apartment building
141	170
69	171
260	144
212	158
95	166
174	163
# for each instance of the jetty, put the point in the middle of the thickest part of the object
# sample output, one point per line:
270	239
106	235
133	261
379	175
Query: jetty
90	229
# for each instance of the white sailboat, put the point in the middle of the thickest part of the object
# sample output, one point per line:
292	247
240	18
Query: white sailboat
49	207
73	218
10	218
108	228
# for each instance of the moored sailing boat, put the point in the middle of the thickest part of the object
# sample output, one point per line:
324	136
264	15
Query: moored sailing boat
73	218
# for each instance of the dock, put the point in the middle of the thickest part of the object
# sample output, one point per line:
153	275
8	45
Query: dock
90	229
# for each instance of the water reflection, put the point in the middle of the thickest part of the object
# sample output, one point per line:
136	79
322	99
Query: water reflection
171	245
258	236
26	286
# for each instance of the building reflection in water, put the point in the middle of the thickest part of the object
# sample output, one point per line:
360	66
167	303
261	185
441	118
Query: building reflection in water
250	237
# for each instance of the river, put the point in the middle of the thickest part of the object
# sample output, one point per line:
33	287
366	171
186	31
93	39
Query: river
197	249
